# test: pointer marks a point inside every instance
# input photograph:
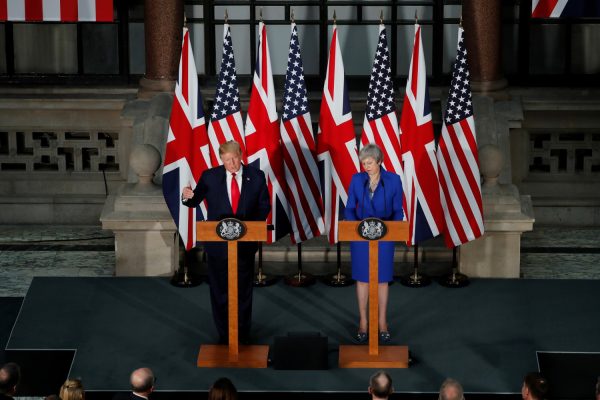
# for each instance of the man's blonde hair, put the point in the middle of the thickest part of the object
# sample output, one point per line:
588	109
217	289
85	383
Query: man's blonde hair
230	147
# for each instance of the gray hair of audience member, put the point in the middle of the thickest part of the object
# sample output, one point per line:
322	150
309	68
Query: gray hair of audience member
142	380
10	375
537	385
380	385
451	389
371	150
222	389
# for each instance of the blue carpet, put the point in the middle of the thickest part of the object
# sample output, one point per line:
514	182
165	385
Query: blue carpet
485	335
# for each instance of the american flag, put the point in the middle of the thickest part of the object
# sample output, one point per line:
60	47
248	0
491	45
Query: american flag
187	151
226	116
565	8
299	151
336	139
263	139
381	124
422	188
57	10
458	160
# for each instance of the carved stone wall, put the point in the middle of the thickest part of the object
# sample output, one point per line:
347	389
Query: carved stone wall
556	156
61	153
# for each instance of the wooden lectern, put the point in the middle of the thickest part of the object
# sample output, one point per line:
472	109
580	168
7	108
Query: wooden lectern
232	355
373	356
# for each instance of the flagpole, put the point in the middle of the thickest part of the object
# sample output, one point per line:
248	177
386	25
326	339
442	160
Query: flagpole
182	277
300	279
260	279
455	279
416	279
338	279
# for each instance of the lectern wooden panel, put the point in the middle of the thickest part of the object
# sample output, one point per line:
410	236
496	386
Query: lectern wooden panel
373	356
232	355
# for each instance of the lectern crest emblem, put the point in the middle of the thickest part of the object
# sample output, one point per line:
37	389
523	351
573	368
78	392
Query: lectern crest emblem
231	229
372	229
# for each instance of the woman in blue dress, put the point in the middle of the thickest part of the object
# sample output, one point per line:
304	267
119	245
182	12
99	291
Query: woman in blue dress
373	193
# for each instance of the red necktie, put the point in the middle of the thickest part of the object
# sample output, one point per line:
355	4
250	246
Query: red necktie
235	193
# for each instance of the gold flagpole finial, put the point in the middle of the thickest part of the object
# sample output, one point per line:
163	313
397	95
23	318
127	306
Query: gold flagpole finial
260	18
416	19
381	17
292	15
460	22
334	18
226	16
184	20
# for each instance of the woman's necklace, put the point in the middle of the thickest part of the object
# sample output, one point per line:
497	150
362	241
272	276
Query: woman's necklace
373	181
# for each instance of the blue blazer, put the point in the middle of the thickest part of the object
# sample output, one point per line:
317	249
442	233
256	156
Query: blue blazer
386	203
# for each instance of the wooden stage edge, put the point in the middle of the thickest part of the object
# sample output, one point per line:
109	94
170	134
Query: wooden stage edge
387	357
219	356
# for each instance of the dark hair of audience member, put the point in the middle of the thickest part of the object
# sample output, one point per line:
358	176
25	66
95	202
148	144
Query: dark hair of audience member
380	384
10	375
72	389
222	389
537	385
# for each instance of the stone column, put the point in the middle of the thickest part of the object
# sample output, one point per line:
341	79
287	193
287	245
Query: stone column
482	24
163	23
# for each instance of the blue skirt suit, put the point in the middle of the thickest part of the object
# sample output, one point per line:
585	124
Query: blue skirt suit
385	204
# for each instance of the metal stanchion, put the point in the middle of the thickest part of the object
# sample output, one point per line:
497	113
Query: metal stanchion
260	279
338	279
455	279
416	279
300	279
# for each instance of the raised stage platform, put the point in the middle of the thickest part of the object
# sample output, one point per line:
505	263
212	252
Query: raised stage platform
485	335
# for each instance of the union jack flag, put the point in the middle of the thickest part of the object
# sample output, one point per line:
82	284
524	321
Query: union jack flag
226	116
57	10
381	124
565	8
336	139
299	151
422	188
458	160
263	139
187	151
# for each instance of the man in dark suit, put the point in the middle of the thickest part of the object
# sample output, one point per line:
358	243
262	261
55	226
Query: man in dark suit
238	191
10	375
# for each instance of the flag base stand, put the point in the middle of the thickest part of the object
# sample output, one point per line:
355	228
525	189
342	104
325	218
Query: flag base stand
262	280
338	280
300	280
415	280
181	278
455	280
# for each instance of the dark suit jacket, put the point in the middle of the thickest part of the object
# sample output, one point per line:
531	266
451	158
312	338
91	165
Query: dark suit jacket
254	204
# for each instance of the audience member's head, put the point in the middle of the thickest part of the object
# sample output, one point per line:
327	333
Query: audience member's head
72	389
451	390
380	385
10	375
52	397
535	387
222	389
142	381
